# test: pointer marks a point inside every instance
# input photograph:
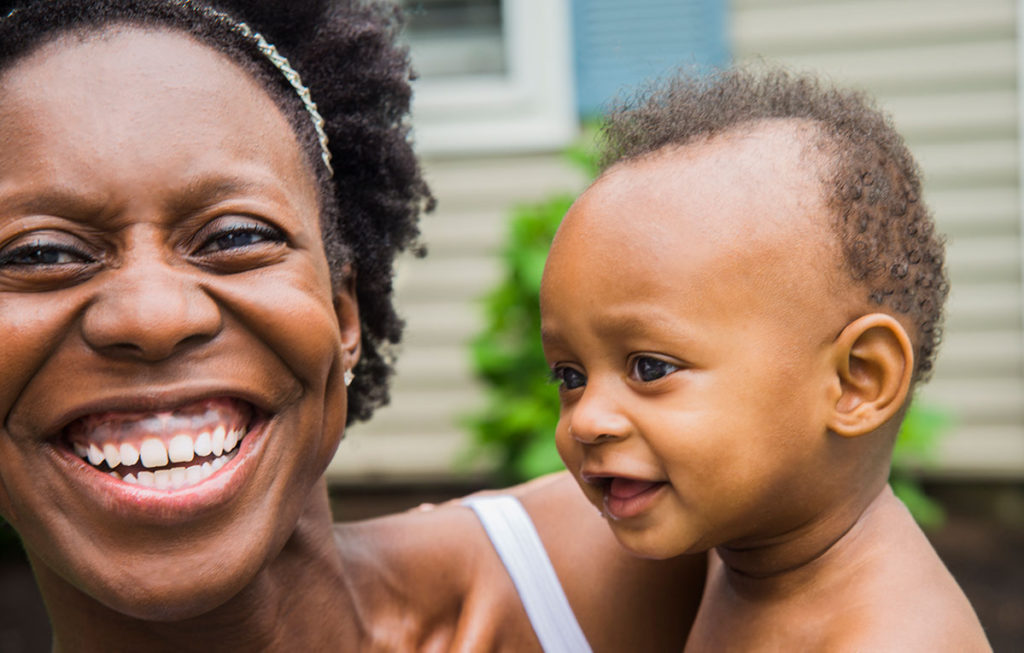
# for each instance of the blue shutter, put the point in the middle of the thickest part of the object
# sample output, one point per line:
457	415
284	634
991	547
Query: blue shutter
619	43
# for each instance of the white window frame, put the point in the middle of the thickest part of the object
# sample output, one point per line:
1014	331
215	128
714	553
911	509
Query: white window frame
531	107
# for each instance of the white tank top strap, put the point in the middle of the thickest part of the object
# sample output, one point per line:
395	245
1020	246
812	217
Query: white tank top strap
515	539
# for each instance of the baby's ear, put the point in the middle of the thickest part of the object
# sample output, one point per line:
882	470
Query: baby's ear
346	307
874	365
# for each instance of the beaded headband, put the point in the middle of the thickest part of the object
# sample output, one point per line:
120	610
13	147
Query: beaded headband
276	58
281	63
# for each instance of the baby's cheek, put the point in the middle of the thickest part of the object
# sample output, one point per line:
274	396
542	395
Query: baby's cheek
568	448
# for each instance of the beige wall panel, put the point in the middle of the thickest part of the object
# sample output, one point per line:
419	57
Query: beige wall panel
947	72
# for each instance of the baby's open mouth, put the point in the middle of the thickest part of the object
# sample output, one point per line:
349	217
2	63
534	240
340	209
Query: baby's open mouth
167	449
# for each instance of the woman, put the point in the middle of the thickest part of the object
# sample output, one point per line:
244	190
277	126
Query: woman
196	249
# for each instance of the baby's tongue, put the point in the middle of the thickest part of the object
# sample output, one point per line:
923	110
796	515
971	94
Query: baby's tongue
625	488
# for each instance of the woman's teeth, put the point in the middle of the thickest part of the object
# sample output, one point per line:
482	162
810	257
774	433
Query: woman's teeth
175	477
209	449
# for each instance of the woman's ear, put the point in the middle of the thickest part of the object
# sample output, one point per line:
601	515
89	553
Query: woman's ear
874	365
346	307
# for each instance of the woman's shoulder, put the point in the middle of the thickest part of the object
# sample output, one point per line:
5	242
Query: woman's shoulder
439	562
429	580
621	601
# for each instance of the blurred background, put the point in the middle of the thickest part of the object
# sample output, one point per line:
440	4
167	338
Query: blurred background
506	93
508	87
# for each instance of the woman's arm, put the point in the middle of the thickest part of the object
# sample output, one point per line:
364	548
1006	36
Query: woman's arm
435	572
622	602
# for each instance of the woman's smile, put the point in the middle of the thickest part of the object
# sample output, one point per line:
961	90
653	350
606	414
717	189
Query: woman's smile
162	476
167	449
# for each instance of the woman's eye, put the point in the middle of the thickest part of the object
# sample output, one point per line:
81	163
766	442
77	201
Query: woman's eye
43	254
647	368
240	235
569	377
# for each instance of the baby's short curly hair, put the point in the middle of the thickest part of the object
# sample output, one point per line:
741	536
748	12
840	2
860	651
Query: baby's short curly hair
346	54
873	186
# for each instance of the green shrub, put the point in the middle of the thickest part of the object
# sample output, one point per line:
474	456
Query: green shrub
518	423
914	451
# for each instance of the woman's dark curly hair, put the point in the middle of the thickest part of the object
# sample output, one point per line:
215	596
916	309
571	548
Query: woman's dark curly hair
347	56
873	185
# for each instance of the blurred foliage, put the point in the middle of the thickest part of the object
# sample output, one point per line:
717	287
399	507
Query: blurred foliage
517	425
915	450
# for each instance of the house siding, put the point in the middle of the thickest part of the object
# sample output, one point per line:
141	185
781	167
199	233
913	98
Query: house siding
947	72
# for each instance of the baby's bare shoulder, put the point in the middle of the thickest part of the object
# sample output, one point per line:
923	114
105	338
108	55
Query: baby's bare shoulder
908	600
912	604
916	621
902	597
881	588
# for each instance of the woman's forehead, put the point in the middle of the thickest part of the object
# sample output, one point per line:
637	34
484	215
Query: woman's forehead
144	104
124	65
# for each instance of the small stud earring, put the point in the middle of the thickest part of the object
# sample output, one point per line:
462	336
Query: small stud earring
349	377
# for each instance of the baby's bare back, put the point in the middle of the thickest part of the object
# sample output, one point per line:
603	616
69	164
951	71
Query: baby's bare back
880	587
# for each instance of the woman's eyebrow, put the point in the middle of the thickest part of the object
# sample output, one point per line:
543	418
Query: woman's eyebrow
61	200
219	186
193	196
202	191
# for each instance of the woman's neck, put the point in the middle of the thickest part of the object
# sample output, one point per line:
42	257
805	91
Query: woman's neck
298	601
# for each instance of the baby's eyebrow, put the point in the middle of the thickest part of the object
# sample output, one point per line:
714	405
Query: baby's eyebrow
625	324
548	336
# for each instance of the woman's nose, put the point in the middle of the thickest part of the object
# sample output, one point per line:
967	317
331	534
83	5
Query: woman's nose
598	416
150	310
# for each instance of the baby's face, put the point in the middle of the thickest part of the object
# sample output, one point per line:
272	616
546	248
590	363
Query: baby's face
687	311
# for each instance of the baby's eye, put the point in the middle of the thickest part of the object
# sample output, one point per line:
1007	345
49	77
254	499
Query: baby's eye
569	377
648	368
238	235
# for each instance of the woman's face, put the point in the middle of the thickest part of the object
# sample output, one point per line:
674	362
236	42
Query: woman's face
163	287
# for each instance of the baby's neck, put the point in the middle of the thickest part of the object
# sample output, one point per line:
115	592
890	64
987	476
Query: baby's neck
812	553
874	582
785	562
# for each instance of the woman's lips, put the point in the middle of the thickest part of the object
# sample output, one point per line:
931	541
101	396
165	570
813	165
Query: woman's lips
140	504
627	497
167	449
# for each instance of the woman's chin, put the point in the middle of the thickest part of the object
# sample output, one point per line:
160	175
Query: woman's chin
163	587
171	602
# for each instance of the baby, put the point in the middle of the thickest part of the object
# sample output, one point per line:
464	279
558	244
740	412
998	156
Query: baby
737	312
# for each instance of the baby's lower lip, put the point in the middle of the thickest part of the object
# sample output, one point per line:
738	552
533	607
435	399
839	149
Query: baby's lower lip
625	497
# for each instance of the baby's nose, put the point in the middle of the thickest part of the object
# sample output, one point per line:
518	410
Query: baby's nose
597	417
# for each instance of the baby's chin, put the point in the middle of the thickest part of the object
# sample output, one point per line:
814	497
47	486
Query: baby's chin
654	542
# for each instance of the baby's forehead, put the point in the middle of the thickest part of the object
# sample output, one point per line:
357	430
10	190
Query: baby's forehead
759	184
746	210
